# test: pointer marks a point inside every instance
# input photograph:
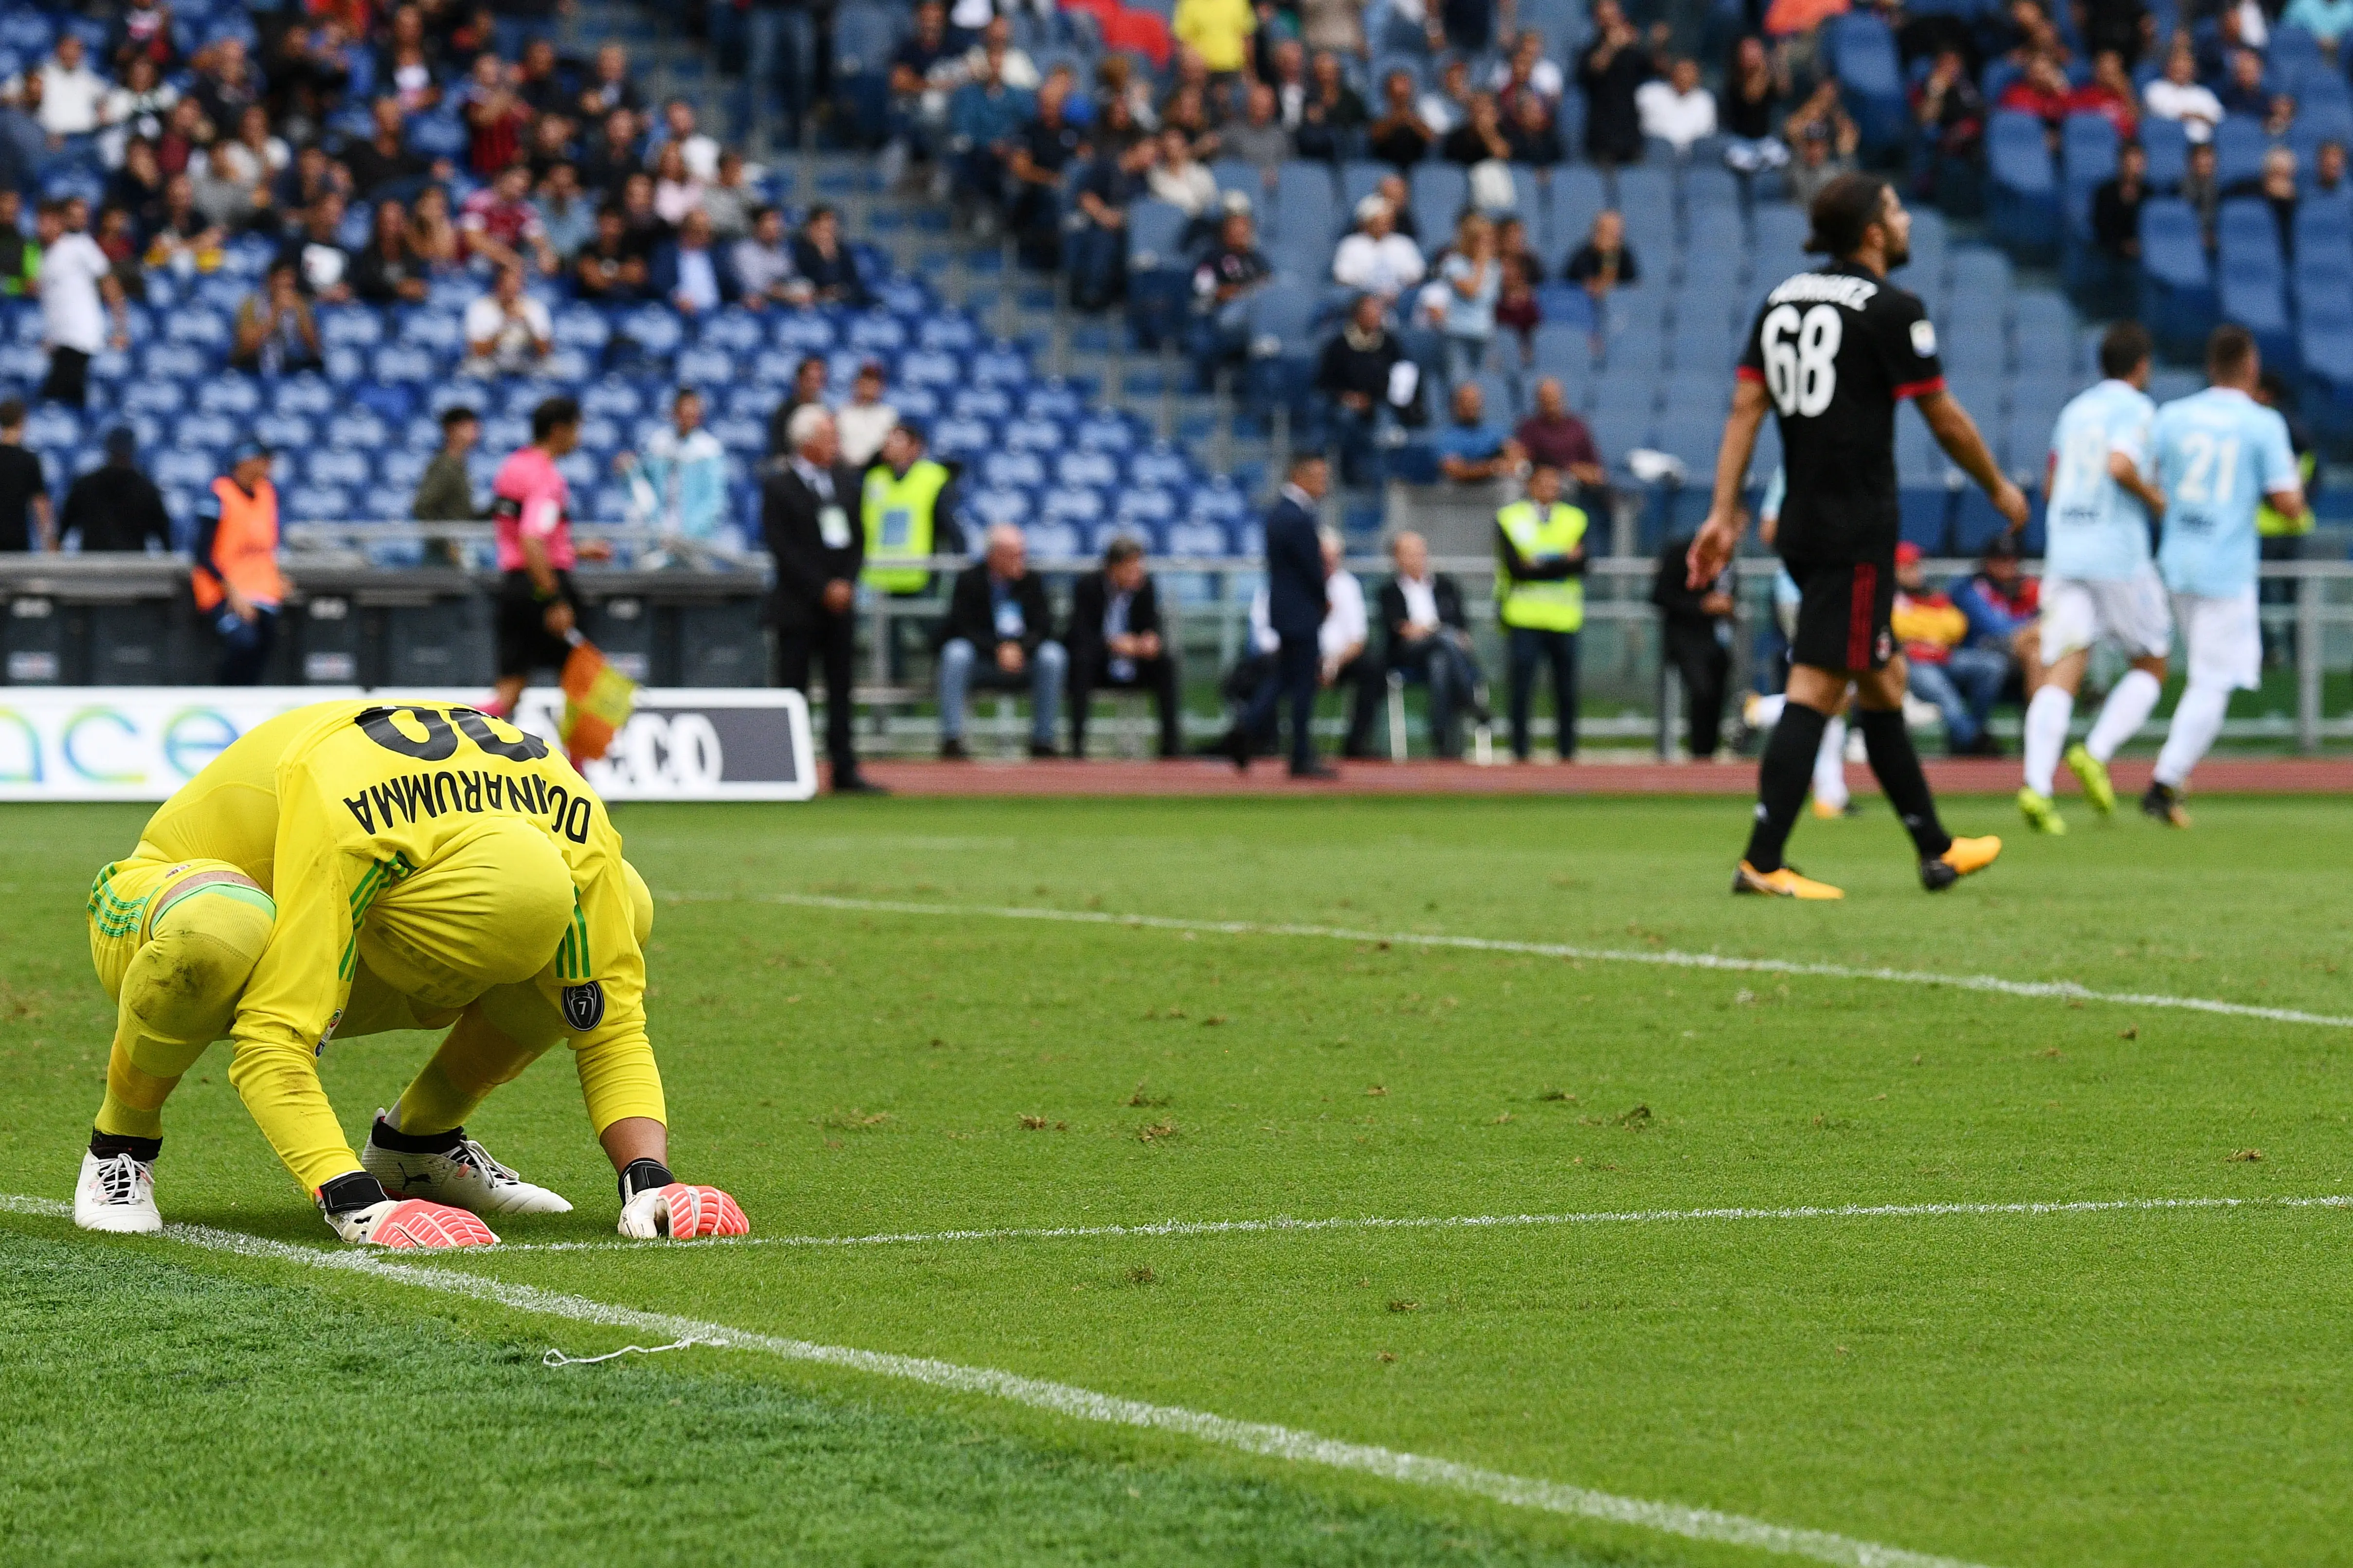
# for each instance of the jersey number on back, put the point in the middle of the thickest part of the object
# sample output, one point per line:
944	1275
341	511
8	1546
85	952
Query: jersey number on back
441	742
2213	464
1801	358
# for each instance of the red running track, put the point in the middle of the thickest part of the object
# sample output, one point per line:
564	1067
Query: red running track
1203	776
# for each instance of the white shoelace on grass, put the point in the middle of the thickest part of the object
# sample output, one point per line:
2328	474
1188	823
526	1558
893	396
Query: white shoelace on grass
557	1358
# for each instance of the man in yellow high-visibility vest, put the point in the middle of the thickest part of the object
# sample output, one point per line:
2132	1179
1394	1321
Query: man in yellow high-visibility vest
899	506
1540	599
2278	536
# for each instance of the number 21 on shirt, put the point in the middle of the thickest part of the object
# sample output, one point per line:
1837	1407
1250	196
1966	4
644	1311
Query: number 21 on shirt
1800	356
2212	465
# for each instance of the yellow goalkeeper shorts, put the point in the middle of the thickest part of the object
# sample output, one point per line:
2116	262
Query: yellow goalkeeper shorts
127	895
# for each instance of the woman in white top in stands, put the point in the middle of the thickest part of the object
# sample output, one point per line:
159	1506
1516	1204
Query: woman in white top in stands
1377	259
2177	95
1180	179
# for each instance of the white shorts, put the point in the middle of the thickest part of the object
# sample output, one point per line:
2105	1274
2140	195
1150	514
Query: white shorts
2225	638
2079	612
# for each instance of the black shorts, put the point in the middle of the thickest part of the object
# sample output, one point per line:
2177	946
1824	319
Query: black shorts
1842	614
524	642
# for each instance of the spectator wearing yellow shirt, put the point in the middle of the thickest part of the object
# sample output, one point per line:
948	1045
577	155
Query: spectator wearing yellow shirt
1959	682
1216	30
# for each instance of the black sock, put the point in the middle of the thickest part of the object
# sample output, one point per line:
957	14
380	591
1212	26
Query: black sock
107	1146
386	1136
1896	765
1782	780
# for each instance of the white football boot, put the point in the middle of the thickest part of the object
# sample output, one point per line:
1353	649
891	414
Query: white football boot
117	1195
463	1175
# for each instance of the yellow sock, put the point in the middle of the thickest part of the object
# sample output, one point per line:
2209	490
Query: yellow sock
475	1058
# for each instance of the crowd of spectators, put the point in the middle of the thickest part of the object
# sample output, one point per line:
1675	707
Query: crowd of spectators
380	152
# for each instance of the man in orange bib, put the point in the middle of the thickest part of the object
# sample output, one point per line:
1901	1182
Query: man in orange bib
236	575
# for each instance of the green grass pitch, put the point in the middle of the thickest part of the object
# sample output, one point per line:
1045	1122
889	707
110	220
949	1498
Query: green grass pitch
2116	1387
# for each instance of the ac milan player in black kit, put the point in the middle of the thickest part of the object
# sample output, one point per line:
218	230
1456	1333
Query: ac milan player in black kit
1832	353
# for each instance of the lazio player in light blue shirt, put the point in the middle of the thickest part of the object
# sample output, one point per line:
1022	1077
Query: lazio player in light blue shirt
2098	585
2219	454
2097	528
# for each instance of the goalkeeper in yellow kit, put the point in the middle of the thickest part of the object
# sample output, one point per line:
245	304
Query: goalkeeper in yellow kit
351	868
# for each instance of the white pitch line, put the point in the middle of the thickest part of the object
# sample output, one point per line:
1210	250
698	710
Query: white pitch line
1259	1437
2055	990
1282	1224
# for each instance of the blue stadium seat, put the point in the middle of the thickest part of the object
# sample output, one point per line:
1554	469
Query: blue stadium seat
349	326
982	402
743	402
952	333
705	367
402	468
1439	193
1157	466
653	329
1099	469
318	503
1157	273
876	332
337	465
1053	400
1200	538
357	429
2253	278
613	397
2239	148
1305	212
2023	184
735	329
285	432
930	367
961	437
1871	75
992	507
1001	470
404	363
2168	146
1033	435
1000	364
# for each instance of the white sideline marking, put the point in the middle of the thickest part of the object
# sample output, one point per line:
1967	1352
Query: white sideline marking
2063	990
1283	1223
1065	1399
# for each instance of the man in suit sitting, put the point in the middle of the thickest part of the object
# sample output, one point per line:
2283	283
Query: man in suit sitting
1116	639
807	512
1296	607
999	634
1429	638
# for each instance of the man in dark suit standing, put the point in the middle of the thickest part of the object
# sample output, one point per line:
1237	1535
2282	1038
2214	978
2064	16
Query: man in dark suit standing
1429	639
808	511
1296	607
1116	639
1698	625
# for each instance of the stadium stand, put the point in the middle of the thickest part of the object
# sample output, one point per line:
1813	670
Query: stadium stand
969	337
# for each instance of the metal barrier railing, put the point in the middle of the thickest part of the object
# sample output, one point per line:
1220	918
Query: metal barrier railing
2307	700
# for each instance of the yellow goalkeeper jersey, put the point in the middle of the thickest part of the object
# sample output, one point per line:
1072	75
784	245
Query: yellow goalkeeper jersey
329	806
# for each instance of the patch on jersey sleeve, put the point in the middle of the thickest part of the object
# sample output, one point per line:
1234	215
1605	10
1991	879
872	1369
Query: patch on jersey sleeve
1923	338
584	1006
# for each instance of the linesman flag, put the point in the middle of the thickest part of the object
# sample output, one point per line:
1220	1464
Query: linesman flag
597	701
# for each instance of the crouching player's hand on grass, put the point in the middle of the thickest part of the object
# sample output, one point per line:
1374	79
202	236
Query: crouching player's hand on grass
654	1204
359	1210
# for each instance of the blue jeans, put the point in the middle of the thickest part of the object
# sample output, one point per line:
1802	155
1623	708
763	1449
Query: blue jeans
1359	436
779	57
961	669
1962	689
1525	647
